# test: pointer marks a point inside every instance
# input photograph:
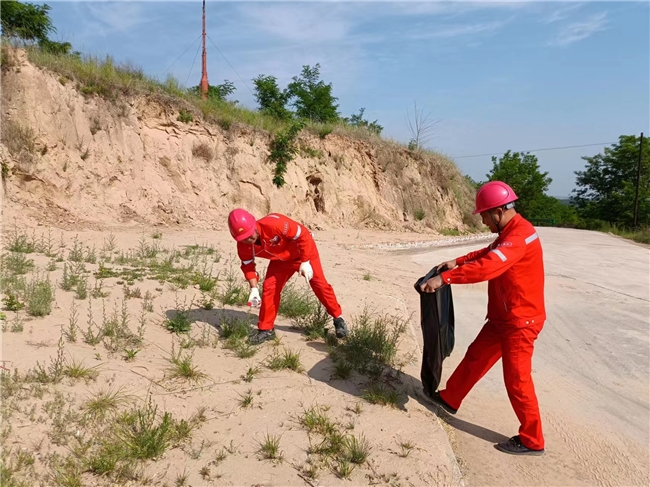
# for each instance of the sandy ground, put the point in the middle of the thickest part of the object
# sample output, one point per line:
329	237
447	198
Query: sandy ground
591	370
279	398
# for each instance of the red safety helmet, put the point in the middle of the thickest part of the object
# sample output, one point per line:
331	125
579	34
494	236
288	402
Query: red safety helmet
241	224
494	194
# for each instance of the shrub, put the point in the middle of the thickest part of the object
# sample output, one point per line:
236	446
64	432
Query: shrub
283	149
18	138
371	346
185	116
203	151
39	297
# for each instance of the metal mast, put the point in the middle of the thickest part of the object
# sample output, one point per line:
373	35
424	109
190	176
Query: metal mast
204	73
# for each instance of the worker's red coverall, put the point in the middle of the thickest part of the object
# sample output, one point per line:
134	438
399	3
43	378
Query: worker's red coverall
513	265
286	244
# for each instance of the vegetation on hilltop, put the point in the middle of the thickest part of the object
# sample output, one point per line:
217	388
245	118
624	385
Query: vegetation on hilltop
604	198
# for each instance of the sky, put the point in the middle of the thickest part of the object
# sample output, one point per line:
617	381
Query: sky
493	76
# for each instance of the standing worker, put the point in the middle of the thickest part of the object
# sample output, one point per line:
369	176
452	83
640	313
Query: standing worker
291	248
514	268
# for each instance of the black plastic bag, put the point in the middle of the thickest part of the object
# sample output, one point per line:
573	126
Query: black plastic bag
437	323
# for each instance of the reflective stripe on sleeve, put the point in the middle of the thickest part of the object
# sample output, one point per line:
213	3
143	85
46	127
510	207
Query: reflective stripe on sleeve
500	254
532	238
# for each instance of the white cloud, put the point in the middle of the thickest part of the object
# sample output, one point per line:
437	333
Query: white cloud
578	31
119	19
463	30
303	22
562	13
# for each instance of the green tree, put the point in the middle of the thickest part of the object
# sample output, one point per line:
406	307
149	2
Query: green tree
270	98
549	207
216	92
25	21
606	188
312	98
357	120
521	171
283	149
58	48
31	24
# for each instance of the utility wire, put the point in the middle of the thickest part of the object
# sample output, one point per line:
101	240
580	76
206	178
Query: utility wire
170	67
536	150
195	56
215	46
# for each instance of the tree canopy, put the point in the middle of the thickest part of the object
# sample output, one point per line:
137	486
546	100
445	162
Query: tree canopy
31	24
522	173
271	99
26	21
606	187
216	92
312	97
357	120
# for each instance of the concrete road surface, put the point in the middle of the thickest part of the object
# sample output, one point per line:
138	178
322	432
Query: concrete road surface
591	368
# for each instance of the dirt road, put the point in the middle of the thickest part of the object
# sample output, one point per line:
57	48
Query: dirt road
591	368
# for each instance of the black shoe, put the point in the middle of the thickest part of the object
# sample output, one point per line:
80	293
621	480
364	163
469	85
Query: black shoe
514	446
436	399
340	327
261	336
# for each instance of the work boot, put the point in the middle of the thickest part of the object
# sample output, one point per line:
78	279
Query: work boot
261	336
439	401
340	327
514	446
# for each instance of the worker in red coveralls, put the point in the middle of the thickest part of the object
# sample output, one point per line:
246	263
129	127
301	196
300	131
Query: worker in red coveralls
291	248
514	268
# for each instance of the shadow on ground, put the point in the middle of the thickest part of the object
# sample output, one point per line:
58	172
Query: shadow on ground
408	386
213	317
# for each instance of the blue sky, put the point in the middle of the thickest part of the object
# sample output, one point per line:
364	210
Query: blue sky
496	76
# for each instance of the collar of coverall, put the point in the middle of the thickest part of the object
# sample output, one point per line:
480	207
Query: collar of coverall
510	223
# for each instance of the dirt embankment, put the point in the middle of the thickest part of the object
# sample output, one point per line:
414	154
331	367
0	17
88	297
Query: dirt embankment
73	159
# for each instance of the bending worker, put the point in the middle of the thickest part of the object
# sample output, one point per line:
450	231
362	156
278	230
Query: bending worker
514	269
291	248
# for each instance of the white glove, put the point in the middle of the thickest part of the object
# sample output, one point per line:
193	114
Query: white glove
306	271
254	299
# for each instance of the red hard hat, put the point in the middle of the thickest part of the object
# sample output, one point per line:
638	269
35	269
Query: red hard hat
493	195
241	224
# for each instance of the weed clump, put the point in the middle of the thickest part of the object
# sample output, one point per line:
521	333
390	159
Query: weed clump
288	359
180	322
313	323
295	302
236	332
371	347
39	296
331	446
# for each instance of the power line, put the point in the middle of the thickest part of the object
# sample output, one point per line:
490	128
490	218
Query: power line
195	56
215	46
536	150
170	67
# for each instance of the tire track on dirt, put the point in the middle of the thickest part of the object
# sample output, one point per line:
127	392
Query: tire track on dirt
605	462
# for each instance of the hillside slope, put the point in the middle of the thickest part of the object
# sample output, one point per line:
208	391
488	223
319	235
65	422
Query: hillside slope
70	158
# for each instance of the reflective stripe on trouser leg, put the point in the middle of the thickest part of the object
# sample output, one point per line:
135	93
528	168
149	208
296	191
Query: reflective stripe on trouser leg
323	290
277	275
517	345
481	355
